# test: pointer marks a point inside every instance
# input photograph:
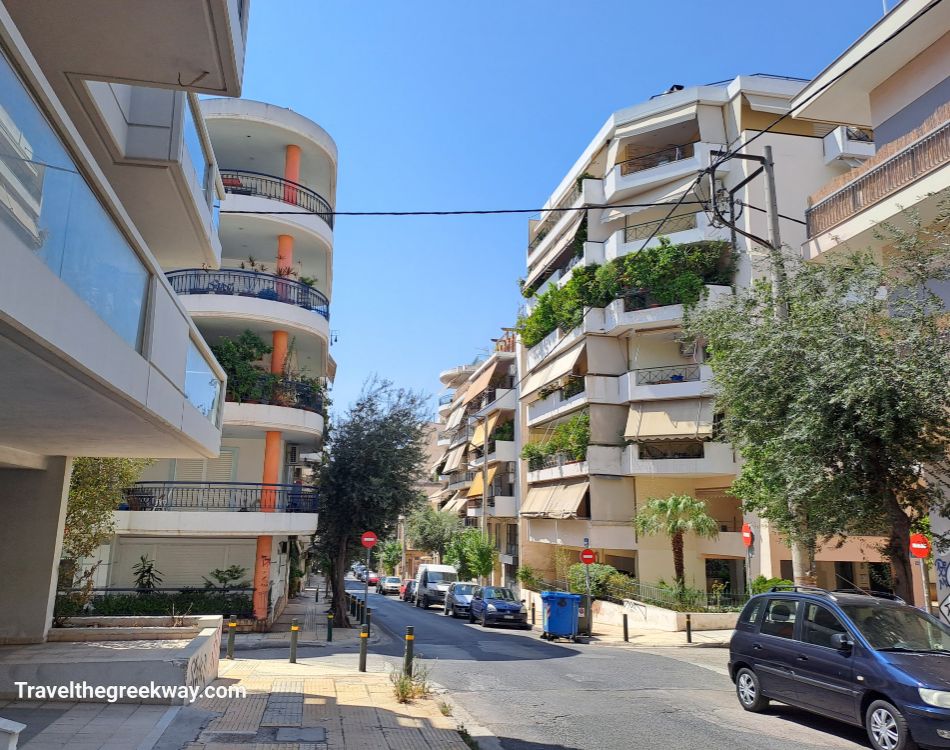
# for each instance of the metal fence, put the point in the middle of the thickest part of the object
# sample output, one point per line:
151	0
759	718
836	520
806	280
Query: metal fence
667	596
220	496
674	374
245	182
657	158
245	283
924	155
673	449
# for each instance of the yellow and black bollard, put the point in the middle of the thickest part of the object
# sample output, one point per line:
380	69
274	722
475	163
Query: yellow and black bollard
364	637
294	631
407	658
232	628
329	627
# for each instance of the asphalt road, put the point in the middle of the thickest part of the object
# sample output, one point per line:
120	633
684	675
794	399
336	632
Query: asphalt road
533	694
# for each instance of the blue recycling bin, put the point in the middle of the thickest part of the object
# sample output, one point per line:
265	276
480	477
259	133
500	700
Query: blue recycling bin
560	615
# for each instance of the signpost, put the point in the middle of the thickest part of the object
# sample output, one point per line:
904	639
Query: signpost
368	540
588	557
920	548
748	539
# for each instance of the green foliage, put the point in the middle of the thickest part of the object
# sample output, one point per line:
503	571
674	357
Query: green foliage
147	576
431	530
192	601
665	274
505	432
471	554
390	555
96	489
231	577
247	380
455	554
674	517
570	438
836	408
761	584
528	577
600	576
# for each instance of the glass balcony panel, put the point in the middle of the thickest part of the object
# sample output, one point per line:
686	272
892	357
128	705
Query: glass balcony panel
202	387
196	151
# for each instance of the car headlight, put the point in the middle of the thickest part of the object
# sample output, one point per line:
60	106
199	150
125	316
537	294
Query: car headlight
938	698
524	609
491	608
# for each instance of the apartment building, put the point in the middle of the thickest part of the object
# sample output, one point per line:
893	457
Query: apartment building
252	505
892	82
105	175
478	465
616	407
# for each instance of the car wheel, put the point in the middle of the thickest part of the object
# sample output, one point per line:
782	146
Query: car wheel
484	620
445	610
887	728
471	618
748	691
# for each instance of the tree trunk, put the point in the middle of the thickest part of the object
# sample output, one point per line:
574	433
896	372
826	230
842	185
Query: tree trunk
678	566
336	574
897	551
803	563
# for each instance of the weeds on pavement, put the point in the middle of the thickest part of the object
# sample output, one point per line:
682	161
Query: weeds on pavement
406	688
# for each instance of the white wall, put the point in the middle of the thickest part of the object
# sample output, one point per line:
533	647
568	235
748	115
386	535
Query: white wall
182	562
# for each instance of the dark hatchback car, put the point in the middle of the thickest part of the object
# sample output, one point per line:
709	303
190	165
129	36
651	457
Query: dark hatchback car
866	659
493	605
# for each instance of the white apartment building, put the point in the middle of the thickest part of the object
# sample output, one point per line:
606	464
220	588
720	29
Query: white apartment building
478	465
894	82
105	175
624	373
249	507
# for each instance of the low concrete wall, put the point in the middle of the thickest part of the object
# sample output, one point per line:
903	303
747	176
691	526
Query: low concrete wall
137	628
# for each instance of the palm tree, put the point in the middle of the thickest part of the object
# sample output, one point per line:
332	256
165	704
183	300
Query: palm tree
676	516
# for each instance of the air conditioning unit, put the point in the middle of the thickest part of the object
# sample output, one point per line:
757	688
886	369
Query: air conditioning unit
293	454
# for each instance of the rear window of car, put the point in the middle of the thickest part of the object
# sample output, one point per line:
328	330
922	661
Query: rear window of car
752	612
780	618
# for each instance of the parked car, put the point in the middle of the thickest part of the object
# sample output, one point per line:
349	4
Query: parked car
371	577
492	605
458	599
388	585
402	588
865	659
432	581
409	593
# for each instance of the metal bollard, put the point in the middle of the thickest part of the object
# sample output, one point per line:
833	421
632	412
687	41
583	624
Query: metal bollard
329	627
294	631
369	617
364	637
532	613
626	631
407	658
316	593
689	628
232	628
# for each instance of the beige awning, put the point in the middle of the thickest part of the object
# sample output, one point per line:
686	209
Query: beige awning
483	432
557	368
456	503
670	420
454	459
554	500
476	489
478	386
455	418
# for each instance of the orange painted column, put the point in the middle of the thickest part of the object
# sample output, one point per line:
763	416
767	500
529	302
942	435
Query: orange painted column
285	251
291	172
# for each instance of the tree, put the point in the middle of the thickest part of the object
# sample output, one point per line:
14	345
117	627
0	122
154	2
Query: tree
456	554
431	530
376	457
675	516
472	555
840	410
390	555
96	488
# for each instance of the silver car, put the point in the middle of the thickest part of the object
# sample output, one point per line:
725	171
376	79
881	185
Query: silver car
458	599
388	585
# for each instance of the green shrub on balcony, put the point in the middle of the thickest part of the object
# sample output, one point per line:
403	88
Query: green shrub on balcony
504	432
670	274
247	380
569	438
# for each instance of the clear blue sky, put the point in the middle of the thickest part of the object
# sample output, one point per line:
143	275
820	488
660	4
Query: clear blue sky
450	105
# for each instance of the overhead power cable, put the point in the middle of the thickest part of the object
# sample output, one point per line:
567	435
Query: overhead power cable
763	211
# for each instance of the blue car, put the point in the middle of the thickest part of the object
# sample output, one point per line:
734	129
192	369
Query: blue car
865	659
492	605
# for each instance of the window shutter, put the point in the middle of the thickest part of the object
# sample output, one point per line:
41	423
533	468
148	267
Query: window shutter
189	470
220	469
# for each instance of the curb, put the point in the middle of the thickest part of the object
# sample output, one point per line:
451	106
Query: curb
484	738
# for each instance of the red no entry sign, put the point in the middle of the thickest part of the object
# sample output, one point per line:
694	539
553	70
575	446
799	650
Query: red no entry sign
588	556
919	545
747	535
368	539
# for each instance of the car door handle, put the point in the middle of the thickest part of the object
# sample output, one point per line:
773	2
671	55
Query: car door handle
756	647
800	657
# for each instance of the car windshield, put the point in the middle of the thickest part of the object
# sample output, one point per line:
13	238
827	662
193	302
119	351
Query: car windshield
898	628
392	579
464	589
504	595
438	576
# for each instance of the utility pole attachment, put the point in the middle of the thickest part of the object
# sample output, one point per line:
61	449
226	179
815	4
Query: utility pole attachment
775	238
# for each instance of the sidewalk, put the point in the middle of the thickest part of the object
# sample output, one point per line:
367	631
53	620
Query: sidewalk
613	635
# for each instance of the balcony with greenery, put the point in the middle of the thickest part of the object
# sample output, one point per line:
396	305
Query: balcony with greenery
568	443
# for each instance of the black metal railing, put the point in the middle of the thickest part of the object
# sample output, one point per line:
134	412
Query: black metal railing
672	449
245	182
461	478
656	158
549	461
907	165
551	217
674	374
244	283
446	399
227	496
274	391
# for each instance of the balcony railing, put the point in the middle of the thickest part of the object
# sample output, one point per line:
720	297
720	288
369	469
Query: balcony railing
511	550
645	230
552	217
243	182
659	375
249	284
662	451
549	461
224	496
460	479
909	164
446	399
655	159
295	394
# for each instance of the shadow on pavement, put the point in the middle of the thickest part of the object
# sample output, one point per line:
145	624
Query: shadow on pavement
801	717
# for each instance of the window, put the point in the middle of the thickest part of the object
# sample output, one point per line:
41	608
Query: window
753	610
819	624
780	618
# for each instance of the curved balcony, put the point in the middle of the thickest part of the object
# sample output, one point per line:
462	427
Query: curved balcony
220	496
249	284
244	182
294	394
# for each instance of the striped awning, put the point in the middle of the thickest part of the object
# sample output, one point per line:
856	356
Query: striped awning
554	500
674	419
484	430
476	488
557	368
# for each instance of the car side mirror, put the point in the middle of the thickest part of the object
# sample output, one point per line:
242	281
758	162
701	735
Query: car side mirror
522	601
842	642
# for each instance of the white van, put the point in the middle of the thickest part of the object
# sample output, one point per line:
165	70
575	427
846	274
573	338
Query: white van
432	581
